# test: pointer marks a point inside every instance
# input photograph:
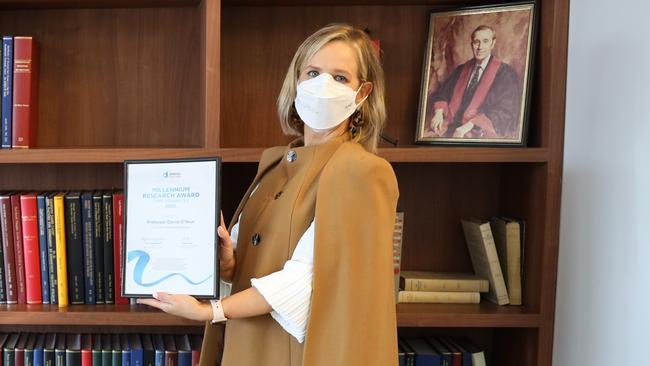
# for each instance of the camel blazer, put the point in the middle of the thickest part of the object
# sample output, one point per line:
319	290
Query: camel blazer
351	195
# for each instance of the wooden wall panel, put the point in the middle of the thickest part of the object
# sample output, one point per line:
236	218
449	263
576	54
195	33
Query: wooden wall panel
115	77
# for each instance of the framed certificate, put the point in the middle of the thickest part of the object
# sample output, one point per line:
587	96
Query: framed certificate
171	213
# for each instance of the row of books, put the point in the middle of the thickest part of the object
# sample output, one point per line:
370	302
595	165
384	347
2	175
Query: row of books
19	112
495	248
61	248
439	351
60	349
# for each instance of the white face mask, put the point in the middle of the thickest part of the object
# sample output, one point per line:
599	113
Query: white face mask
323	103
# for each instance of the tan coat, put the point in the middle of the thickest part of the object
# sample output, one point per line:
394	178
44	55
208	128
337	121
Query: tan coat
352	195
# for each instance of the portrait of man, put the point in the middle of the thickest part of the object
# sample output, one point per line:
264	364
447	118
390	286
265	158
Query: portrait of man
475	87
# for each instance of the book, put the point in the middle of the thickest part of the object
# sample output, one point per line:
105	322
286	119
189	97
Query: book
398	232
19	249
48	349
118	242
409	354
25	93
507	237
9	355
401	356
9	259
109	269
137	353
74	248
98	244
88	237
96	346
439	297
107	350
195	343
456	355
159	350
31	248
61	255
39	350
116	353
126	350
466	356
483	253
7	89
148	352
73	350
42	245
478	356
86	350
171	353
442	281
29	350
425	355
19	351
3	288
446	356
184	350
51	248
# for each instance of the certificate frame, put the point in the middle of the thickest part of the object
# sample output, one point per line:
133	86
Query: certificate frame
128	165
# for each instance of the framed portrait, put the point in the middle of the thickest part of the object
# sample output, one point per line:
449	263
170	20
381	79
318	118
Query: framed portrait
476	76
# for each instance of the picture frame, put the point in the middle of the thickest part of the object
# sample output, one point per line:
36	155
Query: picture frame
171	216
477	76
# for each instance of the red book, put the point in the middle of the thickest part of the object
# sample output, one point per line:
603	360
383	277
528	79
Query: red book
86	350
118	223
7	228
25	105
195	344
19	253
29	212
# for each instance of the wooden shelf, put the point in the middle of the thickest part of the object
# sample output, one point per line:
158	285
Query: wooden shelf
485	314
252	155
74	4
96	315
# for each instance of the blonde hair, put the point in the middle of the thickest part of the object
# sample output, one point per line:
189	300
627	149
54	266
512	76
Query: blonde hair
373	110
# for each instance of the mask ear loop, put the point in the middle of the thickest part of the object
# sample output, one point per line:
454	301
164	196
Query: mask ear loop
357	121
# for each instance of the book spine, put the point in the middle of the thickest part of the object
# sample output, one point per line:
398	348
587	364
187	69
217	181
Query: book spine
136	357
96	358
109	269
61	255
9	357
48	357
98	244
19	253
86	358
43	251
25	105
29	221
445	285
439	297
19	357
74	247
500	292
51	249
171	358
8	249
118	221
160	358
29	357
72	357
3	289
38	357
107	357
185	358
7	88
513	241
88	253
59	357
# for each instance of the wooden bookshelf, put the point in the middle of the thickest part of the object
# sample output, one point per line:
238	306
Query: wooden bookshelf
184	78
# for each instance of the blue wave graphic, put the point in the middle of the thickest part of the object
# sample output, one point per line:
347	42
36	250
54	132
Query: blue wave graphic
142	261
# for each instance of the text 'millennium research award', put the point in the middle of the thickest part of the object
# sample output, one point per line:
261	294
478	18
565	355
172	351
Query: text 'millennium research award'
171	214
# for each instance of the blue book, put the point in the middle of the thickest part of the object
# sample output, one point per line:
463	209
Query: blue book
442	350
159	348
126	350
39	350
184	350
7	88
425	355
148	353
136	349
88	237
401	356
42	244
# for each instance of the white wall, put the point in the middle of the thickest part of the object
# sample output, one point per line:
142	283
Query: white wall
603	294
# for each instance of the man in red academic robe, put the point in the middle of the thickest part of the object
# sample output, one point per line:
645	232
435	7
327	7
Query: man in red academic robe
481	98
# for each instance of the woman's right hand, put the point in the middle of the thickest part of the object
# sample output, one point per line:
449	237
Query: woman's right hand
226	253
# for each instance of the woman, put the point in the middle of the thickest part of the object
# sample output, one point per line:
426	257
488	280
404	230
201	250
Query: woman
312	274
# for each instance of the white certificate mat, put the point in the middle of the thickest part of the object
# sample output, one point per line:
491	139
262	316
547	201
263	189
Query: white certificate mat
170	227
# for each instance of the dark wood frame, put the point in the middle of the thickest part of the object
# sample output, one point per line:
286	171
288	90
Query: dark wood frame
86	136
527	80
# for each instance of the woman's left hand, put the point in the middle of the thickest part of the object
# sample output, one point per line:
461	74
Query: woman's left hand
180	305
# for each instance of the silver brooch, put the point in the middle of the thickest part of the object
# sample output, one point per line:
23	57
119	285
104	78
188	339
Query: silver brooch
291	156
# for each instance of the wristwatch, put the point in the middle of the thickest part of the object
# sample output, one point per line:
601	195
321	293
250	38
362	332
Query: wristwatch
217	312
